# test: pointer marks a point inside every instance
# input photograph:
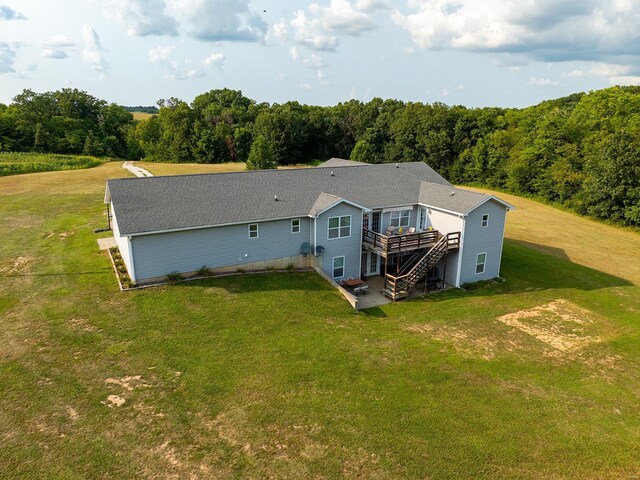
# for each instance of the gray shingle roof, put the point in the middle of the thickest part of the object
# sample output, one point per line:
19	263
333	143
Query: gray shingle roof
452	199
153	204
341	162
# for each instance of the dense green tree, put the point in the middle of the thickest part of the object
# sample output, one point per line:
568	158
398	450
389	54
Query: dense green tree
262	155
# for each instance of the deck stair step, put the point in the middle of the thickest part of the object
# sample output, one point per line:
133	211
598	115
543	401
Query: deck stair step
397	287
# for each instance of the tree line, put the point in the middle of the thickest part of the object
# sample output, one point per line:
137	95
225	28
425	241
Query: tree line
580	151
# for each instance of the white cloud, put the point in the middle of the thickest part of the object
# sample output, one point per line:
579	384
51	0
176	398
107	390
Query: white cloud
143	17
221	20
160	54
214	59
309	33
93	52
278	33
541	82
545	30
59	41
8	13
625	80
444	93
7	58
372	5
601	70
341	17
162	57
54	53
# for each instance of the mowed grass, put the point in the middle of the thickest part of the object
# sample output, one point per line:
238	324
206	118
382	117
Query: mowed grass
275	376
159	169
579	239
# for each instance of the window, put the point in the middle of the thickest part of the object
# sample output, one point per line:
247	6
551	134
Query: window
295	225
485	220
400	218
339	227
253	230
338	267
481	262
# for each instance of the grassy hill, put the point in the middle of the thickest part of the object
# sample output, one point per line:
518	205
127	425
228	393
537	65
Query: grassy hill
276	376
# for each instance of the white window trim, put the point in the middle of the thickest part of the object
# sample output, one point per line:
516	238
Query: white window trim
339	227
482	220
484	265
257	231
398	215
299	225
333	268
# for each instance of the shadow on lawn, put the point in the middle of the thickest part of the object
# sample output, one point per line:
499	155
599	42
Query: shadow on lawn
525	268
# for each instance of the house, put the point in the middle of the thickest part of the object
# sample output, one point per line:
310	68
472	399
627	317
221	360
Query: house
403	221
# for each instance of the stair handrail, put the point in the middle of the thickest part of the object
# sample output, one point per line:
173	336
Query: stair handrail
443	241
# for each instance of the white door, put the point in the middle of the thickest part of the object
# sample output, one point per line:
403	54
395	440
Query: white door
373	264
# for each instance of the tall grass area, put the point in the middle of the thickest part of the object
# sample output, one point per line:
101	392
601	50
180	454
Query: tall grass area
15	163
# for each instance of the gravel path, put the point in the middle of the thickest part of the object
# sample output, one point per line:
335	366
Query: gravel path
137	171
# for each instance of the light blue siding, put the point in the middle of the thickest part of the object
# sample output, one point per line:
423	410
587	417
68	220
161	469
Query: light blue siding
478	239
349	247
159	254
385	219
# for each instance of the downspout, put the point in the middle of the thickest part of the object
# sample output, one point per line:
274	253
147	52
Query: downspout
361	233
315	240
504	227
132	268
461	251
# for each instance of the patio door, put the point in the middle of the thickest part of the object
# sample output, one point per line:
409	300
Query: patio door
373	264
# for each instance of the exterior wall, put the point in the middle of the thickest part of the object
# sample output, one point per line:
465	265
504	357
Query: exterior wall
445	222
385	219
451	272
349	247
157	255
123	244
478	239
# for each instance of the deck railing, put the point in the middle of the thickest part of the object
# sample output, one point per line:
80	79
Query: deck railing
399	243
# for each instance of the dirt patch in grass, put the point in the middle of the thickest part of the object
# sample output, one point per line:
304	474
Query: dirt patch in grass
462	341
559	324
17	265
128	383
114	401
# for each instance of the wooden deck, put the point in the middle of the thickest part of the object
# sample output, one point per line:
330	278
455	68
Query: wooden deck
385	245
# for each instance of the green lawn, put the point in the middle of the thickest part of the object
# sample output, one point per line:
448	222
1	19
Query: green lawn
276	376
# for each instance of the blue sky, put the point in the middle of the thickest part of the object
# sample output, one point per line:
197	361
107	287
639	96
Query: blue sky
469	52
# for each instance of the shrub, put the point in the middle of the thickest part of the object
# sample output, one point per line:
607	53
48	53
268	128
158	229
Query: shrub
269	268
203	271
291	267
241	270
174	277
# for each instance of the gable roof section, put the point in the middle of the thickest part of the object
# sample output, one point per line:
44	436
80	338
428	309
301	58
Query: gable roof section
341	162
326	201
455	200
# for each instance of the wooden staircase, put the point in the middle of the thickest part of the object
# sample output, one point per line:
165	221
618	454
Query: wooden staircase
397	287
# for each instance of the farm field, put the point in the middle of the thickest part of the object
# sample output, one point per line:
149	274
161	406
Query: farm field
276	376
20	163
141	115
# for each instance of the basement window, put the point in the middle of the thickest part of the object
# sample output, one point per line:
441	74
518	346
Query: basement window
338	267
